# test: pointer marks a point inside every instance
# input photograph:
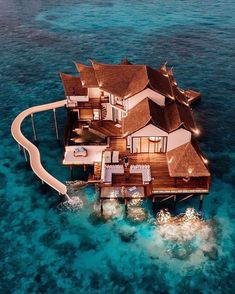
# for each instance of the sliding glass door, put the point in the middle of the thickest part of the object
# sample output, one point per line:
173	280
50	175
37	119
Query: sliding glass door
149	144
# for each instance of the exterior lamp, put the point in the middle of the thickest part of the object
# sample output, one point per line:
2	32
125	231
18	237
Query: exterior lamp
196	132
205	160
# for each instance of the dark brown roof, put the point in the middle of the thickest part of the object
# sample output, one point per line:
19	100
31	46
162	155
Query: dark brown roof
168	118
125	62
184	161
160	82
87	75
125	80
72	85
138	117
121	80
177	115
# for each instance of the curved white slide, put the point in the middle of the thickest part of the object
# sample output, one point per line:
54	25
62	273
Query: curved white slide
35	160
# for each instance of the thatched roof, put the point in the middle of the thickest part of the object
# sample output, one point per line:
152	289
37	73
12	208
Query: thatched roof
72	85
168	118
184	161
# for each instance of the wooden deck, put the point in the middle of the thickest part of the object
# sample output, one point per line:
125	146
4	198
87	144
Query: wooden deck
108	128
161	182
92	103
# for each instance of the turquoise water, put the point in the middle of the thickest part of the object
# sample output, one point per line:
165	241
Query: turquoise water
45	249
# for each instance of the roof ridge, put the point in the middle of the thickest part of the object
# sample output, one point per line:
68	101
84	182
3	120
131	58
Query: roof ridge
179	157
132	77
117	65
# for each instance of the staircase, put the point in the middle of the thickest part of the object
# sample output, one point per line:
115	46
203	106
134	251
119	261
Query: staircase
97	170
103	112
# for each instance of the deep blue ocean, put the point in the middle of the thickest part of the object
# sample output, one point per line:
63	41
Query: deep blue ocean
45	248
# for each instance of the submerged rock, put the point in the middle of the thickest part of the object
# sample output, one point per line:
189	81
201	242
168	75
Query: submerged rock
212	253
127	234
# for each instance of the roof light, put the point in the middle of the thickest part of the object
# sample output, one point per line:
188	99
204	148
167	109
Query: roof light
196	131
190	170
170	160
205	160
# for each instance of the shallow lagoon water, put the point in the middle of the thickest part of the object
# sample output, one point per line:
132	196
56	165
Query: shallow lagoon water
45	249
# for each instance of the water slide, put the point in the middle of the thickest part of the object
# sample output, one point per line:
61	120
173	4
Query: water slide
34	154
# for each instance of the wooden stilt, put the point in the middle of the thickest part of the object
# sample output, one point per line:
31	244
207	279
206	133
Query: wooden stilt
19	146
175	198
56	124
153	203
101	207
126	208
34	130
71	172
156	202
25	156
201	202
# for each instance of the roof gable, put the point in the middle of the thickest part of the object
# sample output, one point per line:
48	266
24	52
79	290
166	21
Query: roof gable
131	124
72	85
168	118
120	80
87	75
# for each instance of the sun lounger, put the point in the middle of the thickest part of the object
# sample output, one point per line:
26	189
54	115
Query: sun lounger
115	157
107	156
80	151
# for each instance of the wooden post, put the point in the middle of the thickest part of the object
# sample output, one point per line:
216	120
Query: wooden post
19	146
201	202
208	183
153	202
175	198
126	208
56	125
34	130
101	207
25	155
71	172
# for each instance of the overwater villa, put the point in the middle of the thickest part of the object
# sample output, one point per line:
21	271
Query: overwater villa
139	113
134	126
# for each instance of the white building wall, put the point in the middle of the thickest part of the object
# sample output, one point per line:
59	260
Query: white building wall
174	139
178	138
93	92
148	131
156	97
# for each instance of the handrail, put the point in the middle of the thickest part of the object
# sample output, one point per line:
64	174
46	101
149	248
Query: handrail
33	151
